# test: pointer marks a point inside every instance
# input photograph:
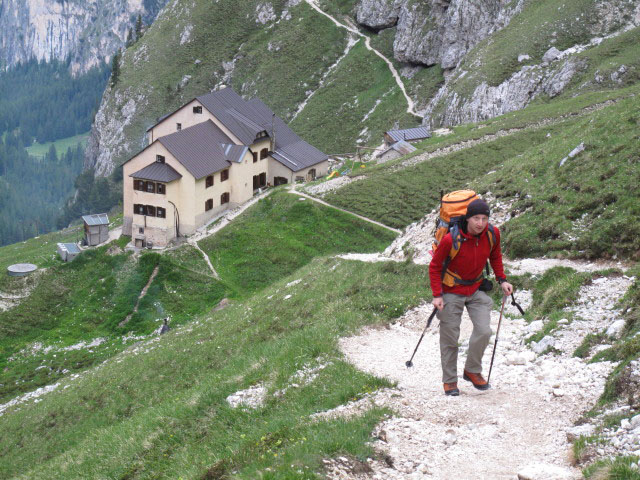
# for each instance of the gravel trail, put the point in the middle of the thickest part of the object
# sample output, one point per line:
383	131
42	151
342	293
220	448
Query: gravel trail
517	429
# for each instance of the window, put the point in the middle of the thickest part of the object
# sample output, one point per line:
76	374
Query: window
161	188
161	212
197	109
263	153
255	156
224	198
138	209
150	187
141	230
178	126
208	205
138	185
160	158
151	210
209	182
224	175
299	179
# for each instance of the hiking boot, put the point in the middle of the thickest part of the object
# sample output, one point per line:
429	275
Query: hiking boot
477	379
451	389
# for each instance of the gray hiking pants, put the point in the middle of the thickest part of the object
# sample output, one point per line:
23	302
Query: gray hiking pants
479	307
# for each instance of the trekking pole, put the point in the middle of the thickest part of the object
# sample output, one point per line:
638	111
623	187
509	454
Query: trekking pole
409	362
513	302
495	344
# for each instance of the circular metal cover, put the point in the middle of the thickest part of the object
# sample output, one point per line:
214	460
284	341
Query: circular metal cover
21	269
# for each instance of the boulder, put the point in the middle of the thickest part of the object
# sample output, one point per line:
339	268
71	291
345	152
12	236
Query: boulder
550	55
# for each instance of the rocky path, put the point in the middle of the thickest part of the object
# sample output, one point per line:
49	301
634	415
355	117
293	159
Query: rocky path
517	429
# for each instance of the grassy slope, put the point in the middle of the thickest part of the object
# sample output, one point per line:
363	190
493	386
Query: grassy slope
160	410
598	184
281	234
91	296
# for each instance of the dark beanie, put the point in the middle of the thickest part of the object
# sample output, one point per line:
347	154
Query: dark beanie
477	207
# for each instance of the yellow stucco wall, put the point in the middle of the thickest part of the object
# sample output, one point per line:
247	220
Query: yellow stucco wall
186	118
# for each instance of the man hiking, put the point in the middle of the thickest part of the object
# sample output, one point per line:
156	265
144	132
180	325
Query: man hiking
478	242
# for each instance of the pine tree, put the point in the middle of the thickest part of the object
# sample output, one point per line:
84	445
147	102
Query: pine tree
139	27
115	69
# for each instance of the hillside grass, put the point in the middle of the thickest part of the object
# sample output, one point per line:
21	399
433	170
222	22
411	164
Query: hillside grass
159	409
283	232
363	95
90	297
87	299
581	209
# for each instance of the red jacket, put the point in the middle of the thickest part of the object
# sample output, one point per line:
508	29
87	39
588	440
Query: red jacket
468	263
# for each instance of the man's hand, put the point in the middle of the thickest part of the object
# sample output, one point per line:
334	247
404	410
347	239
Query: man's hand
438	302
507	288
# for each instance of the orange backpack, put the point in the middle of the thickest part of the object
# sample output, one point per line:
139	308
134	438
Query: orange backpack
453	208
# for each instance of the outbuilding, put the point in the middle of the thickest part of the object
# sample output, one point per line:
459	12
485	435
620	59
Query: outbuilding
68	251
410	135
96	229
395	150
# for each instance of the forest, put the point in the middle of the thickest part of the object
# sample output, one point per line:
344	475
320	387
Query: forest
46	103
32	189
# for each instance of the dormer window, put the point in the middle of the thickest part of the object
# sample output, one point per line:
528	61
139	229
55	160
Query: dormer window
178	126
263	153
159	158
197	109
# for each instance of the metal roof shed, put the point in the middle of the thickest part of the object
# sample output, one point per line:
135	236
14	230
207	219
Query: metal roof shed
408	135
96	228
68	251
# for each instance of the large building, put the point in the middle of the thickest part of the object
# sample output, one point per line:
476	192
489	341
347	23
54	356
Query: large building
212	153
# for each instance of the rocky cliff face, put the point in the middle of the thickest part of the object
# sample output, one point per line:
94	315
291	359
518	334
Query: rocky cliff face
87	31
436	31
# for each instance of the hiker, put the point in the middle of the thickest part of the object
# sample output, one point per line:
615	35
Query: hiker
479	242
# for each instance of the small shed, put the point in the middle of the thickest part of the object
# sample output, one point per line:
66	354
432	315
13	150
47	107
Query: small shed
68	251
394	151
96	229
411	135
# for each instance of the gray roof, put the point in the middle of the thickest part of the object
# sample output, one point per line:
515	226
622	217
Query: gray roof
158	172
69	247
293	152
234	113
409	134
401	147
204	149
199	148
96	219
247	118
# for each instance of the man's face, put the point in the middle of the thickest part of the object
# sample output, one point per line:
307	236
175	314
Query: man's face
476	224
